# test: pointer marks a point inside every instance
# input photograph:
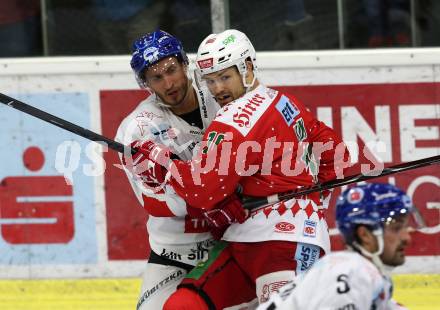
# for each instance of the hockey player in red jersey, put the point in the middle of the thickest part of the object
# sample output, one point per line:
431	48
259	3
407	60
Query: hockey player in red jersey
263	142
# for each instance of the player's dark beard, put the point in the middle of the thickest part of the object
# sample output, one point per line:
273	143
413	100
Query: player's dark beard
185	94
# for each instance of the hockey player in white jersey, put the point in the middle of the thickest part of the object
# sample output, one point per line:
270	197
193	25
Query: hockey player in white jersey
374	220
175	114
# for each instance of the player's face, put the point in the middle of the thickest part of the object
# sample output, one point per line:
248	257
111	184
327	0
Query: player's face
168	80
225	85
396	237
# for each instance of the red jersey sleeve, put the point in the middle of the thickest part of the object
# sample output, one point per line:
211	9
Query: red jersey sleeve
212	175
329	149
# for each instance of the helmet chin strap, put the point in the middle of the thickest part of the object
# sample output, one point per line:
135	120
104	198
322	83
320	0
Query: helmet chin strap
243	71
375	256
248	85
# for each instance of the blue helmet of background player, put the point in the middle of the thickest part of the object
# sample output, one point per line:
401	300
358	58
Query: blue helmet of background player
150	49
371	205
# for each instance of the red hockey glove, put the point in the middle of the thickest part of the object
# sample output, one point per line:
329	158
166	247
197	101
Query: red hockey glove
150	162
224	214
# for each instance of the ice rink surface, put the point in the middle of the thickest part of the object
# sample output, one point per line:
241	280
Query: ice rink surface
415	291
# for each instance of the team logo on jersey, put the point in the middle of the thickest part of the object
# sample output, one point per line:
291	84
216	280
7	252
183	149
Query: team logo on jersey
205	63
355	195
309	228
270	288
284	227
144	119
300	130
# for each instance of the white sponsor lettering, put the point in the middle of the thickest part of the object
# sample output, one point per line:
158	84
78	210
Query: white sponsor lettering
354	126
410	133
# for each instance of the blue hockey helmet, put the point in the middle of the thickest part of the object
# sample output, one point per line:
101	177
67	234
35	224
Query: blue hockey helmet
371	205
151	48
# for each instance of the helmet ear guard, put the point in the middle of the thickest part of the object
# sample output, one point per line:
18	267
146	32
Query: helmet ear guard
245	84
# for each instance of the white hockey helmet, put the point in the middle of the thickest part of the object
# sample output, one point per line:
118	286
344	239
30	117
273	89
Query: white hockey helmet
226	49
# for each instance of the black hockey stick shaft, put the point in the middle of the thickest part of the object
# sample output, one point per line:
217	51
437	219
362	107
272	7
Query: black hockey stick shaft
251	203
248	202
54	120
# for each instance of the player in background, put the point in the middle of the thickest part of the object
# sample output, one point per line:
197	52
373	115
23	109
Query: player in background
175	114
264	142
374	220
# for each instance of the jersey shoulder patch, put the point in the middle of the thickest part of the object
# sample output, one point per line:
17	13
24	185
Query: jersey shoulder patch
287	109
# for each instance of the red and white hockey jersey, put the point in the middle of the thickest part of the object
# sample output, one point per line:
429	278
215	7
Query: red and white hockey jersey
263	142
172	233
340	280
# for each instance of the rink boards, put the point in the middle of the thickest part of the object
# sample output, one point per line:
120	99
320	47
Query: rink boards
416	292
64	207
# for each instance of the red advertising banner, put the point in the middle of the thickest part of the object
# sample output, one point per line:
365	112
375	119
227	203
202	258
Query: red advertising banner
126	219
407	117
395	122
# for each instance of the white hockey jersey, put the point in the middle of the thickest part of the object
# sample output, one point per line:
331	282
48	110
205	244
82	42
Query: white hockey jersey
172	233
339	281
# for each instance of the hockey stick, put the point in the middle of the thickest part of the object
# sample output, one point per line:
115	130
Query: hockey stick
251	203
248	202
54	120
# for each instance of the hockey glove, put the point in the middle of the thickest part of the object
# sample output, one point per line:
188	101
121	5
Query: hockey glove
227	212
150	162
